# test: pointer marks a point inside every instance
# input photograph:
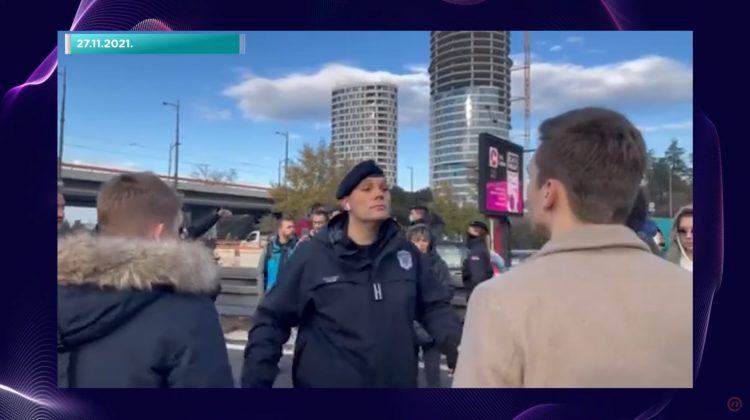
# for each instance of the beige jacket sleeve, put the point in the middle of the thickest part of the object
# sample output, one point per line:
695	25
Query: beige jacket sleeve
490	355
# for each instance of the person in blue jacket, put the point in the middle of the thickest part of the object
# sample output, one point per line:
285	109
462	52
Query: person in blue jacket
276	253
354	291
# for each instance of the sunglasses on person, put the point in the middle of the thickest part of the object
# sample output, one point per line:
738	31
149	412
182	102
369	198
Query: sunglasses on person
684	232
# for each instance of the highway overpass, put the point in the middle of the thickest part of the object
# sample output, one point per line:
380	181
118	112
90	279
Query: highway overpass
81	184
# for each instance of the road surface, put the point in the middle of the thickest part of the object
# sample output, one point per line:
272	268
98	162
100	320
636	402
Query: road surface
284	380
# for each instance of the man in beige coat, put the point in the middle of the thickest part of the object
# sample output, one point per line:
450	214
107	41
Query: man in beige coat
594	308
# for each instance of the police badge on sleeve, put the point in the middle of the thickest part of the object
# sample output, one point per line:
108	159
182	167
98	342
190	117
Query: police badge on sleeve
404	259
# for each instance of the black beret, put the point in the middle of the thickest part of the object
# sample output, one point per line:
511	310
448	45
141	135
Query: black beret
363	170
479	224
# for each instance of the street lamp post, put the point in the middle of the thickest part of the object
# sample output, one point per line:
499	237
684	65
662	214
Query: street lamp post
171	150
285	134
176	106
280	162
62	127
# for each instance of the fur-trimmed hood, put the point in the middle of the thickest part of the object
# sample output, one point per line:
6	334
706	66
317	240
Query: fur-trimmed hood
104	282
135	264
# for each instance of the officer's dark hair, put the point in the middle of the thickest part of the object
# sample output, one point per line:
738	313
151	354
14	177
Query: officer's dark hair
599	156
285	218
419	231
321	212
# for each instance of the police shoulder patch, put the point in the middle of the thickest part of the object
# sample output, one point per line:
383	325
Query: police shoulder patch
404	259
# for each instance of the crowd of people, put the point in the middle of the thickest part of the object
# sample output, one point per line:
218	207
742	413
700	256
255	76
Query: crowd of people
598	306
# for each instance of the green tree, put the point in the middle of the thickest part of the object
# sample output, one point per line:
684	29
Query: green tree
268	224
675	156
402	201
660	171
455	217
313	178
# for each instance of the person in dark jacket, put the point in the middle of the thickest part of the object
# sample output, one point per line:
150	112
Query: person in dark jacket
421	237
133	302
318	219
421	215
638	219
354	290
202	226
477	267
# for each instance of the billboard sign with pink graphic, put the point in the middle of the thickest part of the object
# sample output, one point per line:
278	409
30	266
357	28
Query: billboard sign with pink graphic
500	176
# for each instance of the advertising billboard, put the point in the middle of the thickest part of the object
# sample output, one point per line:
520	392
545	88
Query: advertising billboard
500	176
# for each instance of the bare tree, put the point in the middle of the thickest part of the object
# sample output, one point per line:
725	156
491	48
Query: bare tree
205	173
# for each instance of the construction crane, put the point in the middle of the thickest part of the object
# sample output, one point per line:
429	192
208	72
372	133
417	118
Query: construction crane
526	98
526	90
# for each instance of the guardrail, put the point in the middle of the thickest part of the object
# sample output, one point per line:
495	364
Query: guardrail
240	291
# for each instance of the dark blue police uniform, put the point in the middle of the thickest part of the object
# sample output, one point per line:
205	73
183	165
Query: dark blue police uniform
355	307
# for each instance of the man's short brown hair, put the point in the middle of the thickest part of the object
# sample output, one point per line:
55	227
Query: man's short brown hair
600	158
134	202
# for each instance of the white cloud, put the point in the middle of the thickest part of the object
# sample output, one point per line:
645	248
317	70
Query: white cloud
211	114
574	39
649	80
307	95
556	87
556	48
320	126
418	68
680	125
518	59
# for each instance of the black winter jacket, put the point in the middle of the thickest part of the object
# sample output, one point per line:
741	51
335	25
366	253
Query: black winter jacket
477	267
443	275
355	309
137	314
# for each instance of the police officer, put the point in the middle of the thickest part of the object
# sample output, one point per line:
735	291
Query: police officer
477	266
354	291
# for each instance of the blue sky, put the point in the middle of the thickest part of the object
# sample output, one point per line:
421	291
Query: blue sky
232	105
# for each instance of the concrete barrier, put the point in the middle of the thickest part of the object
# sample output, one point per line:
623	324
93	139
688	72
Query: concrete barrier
240	291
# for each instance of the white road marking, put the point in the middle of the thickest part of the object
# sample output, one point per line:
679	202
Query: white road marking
241	347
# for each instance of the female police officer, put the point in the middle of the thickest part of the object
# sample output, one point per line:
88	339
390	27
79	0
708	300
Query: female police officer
354	291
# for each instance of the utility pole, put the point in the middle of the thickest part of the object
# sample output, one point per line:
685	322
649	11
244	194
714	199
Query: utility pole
671	212
286	154
411	170
62	127
176	106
